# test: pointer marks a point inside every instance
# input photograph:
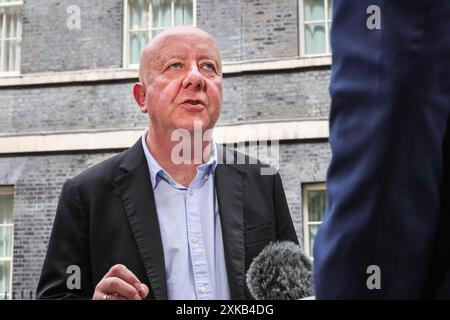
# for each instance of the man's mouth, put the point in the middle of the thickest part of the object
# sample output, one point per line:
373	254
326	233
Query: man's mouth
193	105
193	102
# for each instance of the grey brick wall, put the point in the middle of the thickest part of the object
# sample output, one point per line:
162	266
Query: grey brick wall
222	19
38	180
71	107
262	96
49	45
269	29
251	29
276	95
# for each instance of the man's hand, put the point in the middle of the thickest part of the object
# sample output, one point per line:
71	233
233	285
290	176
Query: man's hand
120	284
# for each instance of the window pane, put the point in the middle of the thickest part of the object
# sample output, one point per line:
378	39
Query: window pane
10	24
5	56
1	23
315	42
330	9
183	12
162	16
6	208
329	36
16	45
317	200
6	237
312	235
314	10
138	15
5	279
12	15
154	16
10	56
138	40
10	31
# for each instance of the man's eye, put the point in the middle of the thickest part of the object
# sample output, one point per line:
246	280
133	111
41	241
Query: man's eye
209	66
175	65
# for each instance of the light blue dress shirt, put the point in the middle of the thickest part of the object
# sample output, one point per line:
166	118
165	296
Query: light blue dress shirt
191	232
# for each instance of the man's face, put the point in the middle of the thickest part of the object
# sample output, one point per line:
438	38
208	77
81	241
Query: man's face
183	82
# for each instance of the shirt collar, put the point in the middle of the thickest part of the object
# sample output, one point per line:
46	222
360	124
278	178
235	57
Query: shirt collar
157	173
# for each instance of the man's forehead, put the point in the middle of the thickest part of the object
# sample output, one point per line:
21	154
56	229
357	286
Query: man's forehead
177	46
178	42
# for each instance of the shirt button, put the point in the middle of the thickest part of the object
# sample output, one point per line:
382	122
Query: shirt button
202	289
206	177
191	193
194	240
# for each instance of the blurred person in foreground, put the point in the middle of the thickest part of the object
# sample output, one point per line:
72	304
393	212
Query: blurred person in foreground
386	229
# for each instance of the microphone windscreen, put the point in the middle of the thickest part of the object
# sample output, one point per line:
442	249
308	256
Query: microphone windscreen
281	271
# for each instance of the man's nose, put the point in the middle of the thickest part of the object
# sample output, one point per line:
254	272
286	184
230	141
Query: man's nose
194	79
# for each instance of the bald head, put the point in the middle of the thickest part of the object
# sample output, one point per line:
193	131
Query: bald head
185	34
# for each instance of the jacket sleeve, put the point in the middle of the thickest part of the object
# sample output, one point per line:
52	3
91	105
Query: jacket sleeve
285	227
66	273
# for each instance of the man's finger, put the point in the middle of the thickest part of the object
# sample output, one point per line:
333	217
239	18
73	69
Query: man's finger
143	291
115	285
115	297
99	295
122	272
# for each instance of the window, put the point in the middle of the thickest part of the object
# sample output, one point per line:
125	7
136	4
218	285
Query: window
314	202
10	36
315	27
6	241
146	18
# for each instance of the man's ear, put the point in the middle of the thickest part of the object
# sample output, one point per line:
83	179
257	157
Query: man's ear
139	96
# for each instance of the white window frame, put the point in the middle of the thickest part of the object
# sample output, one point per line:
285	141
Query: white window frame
302	40
126	29
2	43
8	190
319	186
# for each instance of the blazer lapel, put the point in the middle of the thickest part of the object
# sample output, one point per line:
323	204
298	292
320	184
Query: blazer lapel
136	192
230	188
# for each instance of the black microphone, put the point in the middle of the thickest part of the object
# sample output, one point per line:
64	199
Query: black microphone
281	271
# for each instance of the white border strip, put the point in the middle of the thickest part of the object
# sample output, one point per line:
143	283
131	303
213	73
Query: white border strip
120	74
103	140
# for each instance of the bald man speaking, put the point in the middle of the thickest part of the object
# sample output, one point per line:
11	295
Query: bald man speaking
162	222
